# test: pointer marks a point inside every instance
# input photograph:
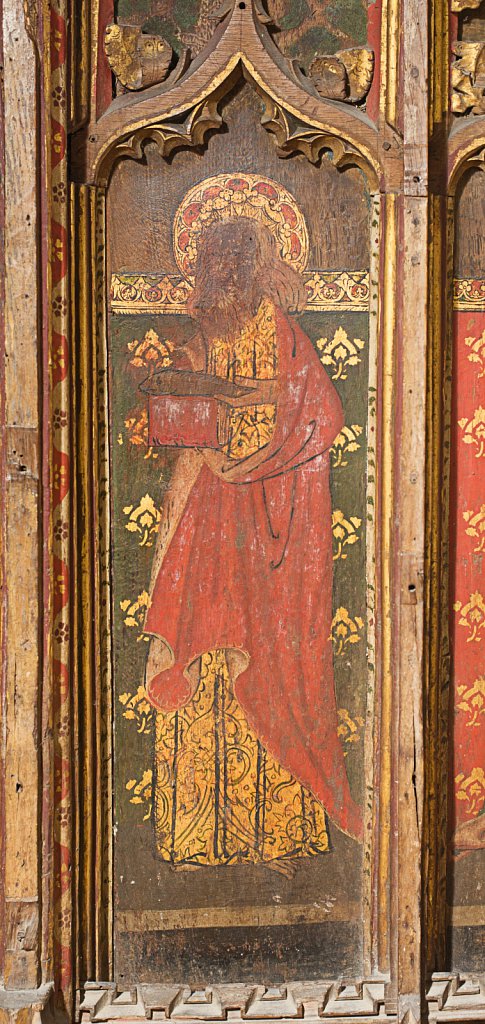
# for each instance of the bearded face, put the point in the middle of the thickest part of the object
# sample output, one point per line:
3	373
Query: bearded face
237	265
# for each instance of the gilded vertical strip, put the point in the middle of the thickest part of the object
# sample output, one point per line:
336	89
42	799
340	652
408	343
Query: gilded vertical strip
104	910
389	60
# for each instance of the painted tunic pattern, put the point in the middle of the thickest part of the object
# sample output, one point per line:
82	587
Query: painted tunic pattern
219	796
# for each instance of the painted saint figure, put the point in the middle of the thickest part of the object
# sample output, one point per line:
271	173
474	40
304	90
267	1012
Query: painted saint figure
248	761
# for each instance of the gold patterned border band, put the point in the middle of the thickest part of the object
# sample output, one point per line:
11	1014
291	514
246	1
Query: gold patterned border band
152	293
469	293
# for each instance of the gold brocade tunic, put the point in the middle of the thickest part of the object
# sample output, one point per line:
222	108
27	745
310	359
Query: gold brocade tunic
219	796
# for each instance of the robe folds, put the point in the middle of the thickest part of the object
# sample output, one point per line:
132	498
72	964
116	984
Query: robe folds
249	569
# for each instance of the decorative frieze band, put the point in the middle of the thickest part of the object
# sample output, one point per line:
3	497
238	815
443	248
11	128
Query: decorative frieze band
311	1001
469	293
451	998
154	293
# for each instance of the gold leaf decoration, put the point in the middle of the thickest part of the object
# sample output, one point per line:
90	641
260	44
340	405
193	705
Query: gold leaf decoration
349	729
472	616
340	353
134	613
359	65
138	709
345	75
345	630
461	5
345	532
150	352
476	527
477	354
472	789
142	792
472	701
137	429
143	519
474	431
345	443
136	58
468	78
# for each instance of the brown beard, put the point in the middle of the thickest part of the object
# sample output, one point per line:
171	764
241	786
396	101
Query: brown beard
237	266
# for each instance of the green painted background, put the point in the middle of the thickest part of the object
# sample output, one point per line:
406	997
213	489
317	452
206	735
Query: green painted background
306	27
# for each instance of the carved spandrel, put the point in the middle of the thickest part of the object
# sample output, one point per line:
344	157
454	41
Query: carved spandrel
345	75
468	78
137	60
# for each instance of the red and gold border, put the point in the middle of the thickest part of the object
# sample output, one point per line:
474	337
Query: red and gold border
328	290
468	294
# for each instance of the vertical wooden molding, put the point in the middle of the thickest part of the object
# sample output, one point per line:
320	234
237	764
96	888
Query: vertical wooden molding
409	582
385	498
21	649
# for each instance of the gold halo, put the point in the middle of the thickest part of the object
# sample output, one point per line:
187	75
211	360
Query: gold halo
234	195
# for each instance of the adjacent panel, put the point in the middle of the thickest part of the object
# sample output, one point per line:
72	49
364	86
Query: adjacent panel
467	870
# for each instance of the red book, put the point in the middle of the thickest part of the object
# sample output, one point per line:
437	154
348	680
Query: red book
186	421
183	407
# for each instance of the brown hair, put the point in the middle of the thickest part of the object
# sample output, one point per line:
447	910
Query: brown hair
238	264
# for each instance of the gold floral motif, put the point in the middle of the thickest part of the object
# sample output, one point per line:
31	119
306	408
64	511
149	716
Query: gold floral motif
345	443
472	616
345	531
349	729
476	527
137	427
142	792
151	353
138	709
135	612
345	630
477	354
473	700
474	431
219	796
472	789
143	519
468	293
340	353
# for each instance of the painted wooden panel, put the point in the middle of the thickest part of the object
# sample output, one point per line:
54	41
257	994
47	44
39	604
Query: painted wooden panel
239	762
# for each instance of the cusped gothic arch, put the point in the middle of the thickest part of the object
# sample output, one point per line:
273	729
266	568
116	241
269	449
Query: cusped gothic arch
182	110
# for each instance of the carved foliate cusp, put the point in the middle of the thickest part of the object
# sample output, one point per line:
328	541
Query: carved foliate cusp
468	78
137	60
346	75
462	5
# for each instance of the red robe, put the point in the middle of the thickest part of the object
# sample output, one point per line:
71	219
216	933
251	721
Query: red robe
250	567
